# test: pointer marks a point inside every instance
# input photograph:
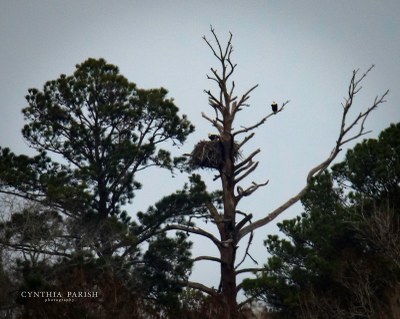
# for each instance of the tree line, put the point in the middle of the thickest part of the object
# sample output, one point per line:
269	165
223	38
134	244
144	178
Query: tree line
340	258
66	226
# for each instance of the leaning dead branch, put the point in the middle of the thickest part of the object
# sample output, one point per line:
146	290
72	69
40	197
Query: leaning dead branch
346	134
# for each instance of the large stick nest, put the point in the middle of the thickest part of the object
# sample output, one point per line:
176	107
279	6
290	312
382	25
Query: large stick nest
209	154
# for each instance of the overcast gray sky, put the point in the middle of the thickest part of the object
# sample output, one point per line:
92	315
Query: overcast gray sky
304	51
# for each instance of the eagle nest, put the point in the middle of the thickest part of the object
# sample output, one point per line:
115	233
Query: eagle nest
209	154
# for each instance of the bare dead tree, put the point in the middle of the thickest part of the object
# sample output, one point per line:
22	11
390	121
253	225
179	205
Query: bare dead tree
225	105
380	230
31	231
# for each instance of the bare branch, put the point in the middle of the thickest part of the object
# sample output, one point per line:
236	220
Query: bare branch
253	270
216	177
250	190
243	99
28	248
232	88
248	172
193	230
215	215
262	121
244	221
229	48
210	258
244	168
213	101
199	286
246	160
246	139
318	169
219	57
362	116
213	122
217	77
246	253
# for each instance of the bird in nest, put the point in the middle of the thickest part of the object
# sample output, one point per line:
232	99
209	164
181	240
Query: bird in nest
213	137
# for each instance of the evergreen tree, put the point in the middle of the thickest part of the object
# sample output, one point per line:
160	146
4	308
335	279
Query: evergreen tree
341	256
93	131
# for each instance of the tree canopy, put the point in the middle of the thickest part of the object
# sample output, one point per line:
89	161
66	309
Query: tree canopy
340	258
105	129
93	131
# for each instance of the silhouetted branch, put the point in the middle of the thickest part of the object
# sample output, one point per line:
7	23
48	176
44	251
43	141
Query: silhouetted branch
210	258
244	221
213	122
251	169
253	270
245	140
246	160
354	88
251	189
262	121
246	253
199	286
243	99
193	230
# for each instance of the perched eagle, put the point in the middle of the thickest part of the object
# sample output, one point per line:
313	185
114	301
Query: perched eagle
274	106
213	137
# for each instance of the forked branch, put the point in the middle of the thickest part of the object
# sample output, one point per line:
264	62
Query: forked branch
250	190
221	56
346	134
226	104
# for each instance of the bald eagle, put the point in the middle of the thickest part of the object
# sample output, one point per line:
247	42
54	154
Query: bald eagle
274	106
213	137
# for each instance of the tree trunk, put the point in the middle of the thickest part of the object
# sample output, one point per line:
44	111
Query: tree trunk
228	282
228	236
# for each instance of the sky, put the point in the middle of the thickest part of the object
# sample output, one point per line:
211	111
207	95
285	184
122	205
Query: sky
302	51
